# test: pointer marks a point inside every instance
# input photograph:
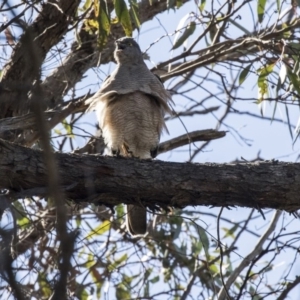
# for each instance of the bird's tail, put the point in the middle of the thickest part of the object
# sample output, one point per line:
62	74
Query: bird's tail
136	220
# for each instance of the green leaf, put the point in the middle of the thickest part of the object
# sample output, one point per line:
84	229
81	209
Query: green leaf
57	131
90	261
98	290
24	222
202	5
84	295
286	34
294	46
20	215
123	16
122	292
214	269
213	30
134	12
244	74
275	105
178	3
119	209
146	289
203	238
155	279
261	9
296	67
230	232
147	273
19	210
262	81
295	80
171	4
44	286
104	23
68	128
187	32
114	265
196	246
288	120
86	5
100	229
278	5
101	23
252	290
78	220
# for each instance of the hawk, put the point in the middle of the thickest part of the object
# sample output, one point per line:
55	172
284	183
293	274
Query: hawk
130	108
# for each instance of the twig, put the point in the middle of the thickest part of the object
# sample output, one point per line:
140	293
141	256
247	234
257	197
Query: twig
245	262
221	253
194	136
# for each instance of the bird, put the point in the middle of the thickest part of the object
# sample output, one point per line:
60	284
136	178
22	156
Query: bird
130	108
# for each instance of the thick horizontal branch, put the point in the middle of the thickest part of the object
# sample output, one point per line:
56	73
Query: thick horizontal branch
110	180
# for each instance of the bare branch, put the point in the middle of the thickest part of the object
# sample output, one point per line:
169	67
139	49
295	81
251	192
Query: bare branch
246	261
288	288
190	137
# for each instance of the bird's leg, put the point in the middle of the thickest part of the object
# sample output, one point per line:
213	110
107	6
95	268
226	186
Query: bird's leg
153	152
126	150
115	152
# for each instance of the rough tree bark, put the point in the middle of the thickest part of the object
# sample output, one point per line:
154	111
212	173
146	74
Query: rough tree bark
109	180
18	74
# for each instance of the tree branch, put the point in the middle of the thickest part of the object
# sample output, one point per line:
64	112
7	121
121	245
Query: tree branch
45	32
246	261
288	288
190	137
110	180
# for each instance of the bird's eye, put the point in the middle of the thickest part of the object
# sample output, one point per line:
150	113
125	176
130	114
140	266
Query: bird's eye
130	44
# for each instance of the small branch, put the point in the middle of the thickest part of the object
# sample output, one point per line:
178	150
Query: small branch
200	270
7	241
58	116
288	288
188	138
256	251
221	254
190	113
51	117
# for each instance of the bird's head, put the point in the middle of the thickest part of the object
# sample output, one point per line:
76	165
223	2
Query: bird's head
127	50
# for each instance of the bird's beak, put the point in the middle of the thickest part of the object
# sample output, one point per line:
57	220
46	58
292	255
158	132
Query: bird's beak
120	46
